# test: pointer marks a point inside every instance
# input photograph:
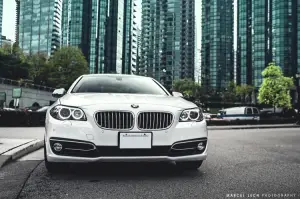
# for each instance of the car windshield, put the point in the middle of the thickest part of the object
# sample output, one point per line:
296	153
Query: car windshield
118	84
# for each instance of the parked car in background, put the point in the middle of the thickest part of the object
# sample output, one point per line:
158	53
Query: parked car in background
237	114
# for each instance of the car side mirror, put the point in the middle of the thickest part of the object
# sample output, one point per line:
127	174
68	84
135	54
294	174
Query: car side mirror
177	94
57	93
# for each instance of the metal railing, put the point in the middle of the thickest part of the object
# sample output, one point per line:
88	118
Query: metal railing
25	84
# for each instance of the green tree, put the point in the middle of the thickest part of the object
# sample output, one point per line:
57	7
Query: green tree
275	88
188	88
67	64
38	69
229	95
12	64
244	92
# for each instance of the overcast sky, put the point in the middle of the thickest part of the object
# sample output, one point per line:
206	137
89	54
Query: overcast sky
9	19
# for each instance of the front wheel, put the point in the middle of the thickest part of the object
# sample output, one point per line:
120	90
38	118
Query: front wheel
53	167
189	165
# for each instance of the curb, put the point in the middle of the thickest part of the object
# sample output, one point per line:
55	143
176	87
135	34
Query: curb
250	127
20	151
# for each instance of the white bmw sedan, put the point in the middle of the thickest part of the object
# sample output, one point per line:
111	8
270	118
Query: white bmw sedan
110	117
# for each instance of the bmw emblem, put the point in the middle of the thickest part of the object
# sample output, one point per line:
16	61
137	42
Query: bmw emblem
134	106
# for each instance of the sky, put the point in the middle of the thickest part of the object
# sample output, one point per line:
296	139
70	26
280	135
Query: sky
9	19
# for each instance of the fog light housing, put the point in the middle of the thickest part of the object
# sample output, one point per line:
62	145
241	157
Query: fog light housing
57	146
200	146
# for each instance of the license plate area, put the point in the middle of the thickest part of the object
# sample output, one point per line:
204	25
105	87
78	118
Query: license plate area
135	140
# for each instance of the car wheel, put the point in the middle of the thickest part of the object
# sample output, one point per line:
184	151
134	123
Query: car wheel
54	167
190	165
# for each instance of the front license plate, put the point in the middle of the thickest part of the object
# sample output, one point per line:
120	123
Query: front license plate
135	140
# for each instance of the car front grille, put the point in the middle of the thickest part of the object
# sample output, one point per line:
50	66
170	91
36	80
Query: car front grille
115	119
154	120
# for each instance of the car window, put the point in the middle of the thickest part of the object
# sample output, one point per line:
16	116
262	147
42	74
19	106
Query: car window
249	111
255	111
116	84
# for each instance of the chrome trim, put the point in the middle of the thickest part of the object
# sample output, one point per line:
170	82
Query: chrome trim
57	158
183	149
121	111
155	111
79	149
94	147
189	141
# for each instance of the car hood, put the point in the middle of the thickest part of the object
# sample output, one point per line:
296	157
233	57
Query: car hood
81	100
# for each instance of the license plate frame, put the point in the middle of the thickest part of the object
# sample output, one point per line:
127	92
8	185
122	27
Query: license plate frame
137	141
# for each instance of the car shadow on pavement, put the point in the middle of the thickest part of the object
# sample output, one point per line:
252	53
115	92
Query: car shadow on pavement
111	171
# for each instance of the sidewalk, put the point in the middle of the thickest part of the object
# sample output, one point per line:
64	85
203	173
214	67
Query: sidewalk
262	126
11	149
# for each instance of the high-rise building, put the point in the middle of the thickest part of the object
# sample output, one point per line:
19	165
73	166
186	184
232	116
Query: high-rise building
103	30
17	21
168	39
40	26
140	70
1	17
297	7
217	64
267	31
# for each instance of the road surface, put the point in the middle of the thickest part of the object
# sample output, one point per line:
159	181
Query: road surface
241	162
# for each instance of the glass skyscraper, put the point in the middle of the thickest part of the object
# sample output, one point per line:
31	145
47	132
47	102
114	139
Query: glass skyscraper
17	21
40	26
217	60
267	31
102	29
168	39
1	17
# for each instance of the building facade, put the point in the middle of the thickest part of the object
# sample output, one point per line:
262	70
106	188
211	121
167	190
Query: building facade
103	30
267	32
168	40
17	21
6	41
140	70
217	64
40	26
1	18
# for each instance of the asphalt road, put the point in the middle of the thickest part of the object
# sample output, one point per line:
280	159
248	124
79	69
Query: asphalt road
265	161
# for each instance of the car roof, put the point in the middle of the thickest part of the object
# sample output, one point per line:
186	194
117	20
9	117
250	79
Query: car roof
115	75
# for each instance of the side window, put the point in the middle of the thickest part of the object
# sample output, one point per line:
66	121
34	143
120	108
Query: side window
249	111
255	111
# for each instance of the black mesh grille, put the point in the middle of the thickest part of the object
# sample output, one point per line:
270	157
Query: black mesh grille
115	119
154	120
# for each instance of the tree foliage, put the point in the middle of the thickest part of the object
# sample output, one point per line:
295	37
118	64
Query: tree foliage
12	63
65	66
275	88
244	92
188	87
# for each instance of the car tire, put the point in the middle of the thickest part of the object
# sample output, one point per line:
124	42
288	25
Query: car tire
189	165
54	167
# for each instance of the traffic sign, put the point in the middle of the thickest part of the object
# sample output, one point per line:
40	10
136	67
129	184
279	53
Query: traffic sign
17	93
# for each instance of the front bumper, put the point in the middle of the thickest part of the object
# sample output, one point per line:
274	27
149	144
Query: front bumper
86	142
81	151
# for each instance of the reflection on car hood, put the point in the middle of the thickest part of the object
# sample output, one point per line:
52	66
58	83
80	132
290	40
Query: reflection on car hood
85	99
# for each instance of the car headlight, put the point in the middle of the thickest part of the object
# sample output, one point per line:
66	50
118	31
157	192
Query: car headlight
61	112
191	115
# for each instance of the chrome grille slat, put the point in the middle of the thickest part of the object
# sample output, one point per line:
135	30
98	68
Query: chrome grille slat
115	119
154	120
